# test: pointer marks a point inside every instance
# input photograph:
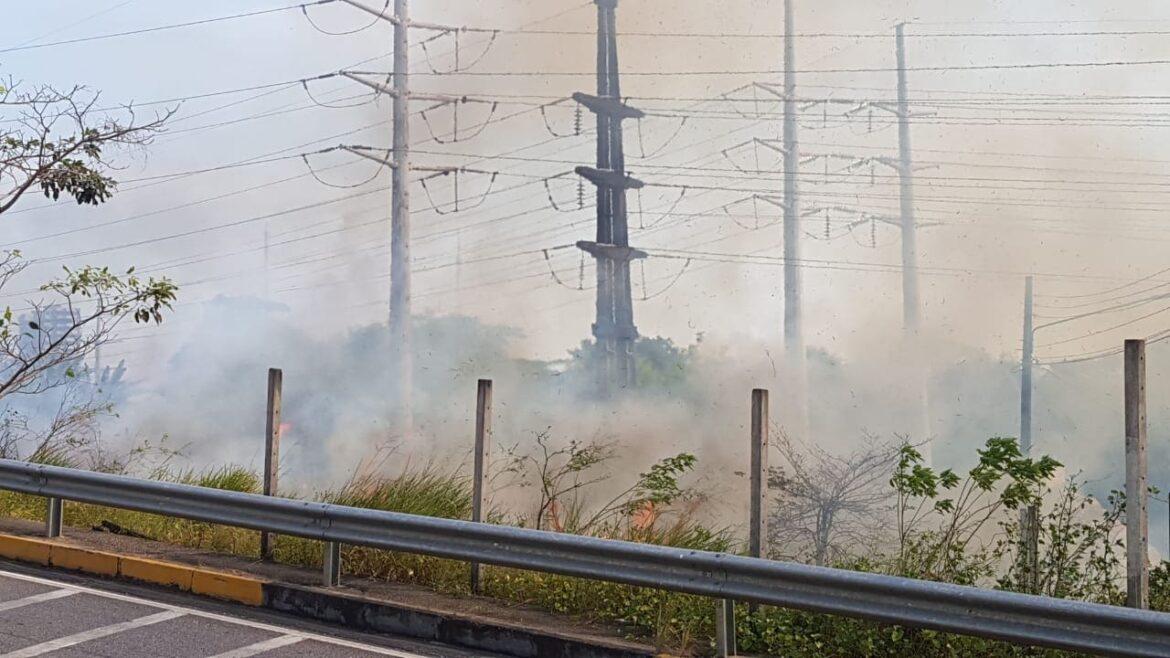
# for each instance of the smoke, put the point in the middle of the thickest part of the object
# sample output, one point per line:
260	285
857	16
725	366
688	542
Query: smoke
1067	211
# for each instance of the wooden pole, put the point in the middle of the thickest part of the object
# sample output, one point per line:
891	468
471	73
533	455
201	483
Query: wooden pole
483	431
1137	568
271	450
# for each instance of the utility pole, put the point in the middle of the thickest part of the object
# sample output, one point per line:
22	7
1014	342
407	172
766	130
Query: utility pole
793	330
1029	516
459	271
1026	372
267	275
400	261
796	407
614	328
910	312
401	168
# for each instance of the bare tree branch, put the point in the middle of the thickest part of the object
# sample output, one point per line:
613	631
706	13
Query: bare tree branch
825	503
39	350
57	141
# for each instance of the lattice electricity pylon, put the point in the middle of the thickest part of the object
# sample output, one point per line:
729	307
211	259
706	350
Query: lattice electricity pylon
614	327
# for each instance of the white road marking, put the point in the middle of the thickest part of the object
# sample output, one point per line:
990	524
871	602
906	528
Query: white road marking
211	615
261	647
92	634
36	598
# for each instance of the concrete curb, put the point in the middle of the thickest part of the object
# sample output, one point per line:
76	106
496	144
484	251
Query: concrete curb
340	608
214	584
453	629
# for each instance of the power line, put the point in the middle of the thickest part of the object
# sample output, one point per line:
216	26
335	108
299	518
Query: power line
89	227
1108	329
725	72
1155	337
764	174
1116	307
1112	290
80	21
1135	293
895	268
190	204
161	28
829	35
240	222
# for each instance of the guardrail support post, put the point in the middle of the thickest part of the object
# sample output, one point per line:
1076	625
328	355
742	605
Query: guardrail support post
483	431
271	449
1137	567
725	628
53	516
331	571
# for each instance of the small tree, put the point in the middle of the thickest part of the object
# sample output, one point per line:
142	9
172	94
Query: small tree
941	514
1078	552
564	475
825	502
95	302
71	423
661	366
58	142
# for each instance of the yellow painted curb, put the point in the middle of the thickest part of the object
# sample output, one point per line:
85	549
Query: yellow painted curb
25	550
230	587
227	586
159	573
80	559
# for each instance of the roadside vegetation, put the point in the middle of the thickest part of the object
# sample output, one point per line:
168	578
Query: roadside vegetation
947	526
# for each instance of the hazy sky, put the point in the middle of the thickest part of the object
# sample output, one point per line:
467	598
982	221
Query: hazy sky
1057	171
1013	178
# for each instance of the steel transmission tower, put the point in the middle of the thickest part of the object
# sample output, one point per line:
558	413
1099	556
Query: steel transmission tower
614	327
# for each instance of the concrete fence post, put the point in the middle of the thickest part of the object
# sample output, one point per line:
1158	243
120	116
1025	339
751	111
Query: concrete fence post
271	450
758	532
1137	567
483	431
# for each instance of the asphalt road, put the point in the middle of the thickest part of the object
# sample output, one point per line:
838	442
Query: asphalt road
45	613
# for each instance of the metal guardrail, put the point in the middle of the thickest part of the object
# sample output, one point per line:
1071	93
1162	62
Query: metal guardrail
1021	618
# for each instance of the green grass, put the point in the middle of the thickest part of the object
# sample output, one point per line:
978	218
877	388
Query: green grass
674	622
